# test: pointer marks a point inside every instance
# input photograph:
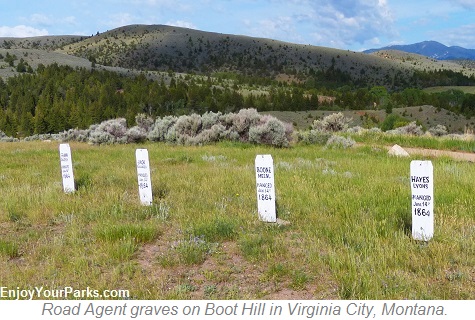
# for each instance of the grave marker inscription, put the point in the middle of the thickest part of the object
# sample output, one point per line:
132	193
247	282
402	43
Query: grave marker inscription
265	188
143	176
66	168
422	187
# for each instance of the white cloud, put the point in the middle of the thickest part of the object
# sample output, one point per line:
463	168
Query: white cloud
39	19
70	20
332	23
182	24
22	31
467	4
119	20
343	23
463	36
168	4
279	28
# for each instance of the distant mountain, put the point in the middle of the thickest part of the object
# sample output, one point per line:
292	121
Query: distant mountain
432	49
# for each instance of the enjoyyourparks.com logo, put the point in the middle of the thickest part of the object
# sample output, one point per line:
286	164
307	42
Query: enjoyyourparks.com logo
61	293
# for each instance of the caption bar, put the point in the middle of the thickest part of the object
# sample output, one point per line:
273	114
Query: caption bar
371	309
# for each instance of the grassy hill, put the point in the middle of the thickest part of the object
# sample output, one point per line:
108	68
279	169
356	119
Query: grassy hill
420	62
164	48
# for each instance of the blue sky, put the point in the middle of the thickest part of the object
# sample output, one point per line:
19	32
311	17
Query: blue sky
343	24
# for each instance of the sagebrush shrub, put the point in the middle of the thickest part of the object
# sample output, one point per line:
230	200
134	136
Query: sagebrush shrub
438	131
212	127
209	119
356	130
339	142
161	128
144	121
334	122
43	137
247	126
109	132
410	129
136	134
213	134
270	131
242	121
188	125
75	135
5	138
101	137
314	137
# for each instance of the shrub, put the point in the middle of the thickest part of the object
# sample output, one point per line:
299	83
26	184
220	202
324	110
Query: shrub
43	137
438	131
375	130
75	135
314	137
356	130
5	138
144	122
188	125
270	131
187	129
108	132
339	142
334	122
100	137
241	122
209	119
410	129
114	127
212	127
161	127
214	134
136	134
393	121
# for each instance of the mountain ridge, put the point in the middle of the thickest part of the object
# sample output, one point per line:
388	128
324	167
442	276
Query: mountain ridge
432	49
163	48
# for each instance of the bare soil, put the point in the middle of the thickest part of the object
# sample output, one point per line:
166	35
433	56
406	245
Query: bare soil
457	155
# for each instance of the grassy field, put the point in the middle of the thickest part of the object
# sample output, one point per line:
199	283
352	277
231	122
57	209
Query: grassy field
348	237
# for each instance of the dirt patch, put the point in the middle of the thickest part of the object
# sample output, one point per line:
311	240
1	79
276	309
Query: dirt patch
226	274
457	155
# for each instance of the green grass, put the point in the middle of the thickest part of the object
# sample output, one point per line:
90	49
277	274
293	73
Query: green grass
8	249
349	235
444	143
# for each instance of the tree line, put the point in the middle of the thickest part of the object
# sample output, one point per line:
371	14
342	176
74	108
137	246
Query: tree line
57	98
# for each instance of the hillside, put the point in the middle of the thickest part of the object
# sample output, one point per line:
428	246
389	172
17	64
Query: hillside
167	48
163	48
194	72
424	63
426	115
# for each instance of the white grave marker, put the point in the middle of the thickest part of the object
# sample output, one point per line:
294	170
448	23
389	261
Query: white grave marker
66	168
265	188
143	174
422	187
